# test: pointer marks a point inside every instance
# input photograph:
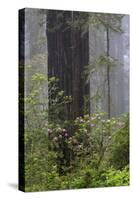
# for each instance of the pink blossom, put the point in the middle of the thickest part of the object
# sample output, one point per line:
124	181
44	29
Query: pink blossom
66	134
49	130
55	139
120	124
92	125
63	130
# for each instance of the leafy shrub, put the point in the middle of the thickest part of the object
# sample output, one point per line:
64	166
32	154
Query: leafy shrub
120	146
90	151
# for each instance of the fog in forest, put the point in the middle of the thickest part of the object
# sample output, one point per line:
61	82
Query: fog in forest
36	55
74	99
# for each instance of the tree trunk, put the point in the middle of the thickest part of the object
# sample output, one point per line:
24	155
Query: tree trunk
108	75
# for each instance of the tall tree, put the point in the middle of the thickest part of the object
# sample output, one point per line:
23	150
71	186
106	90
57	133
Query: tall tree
108	74
67	55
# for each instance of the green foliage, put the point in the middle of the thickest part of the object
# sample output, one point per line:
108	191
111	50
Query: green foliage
57	101
120	146
38	77
99	64
92	153
93	137
85	20
115	177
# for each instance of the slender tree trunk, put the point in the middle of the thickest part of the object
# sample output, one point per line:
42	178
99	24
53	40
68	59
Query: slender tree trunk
89	90
76	65
86	60
108	75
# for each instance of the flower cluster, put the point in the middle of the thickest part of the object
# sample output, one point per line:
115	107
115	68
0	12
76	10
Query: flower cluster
58	134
